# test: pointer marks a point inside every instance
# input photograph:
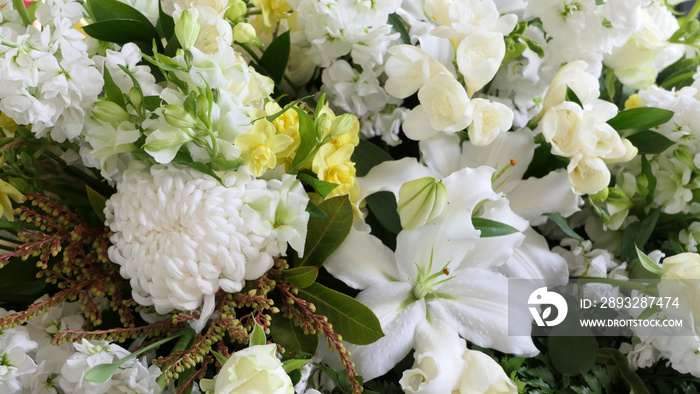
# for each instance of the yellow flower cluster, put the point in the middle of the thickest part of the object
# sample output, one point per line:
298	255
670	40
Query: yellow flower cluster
270	144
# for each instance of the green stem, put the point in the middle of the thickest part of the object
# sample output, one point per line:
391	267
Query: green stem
693	13
22	11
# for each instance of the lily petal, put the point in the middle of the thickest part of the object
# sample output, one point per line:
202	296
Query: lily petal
442	153
477	308
527	199
533	260
399	325
390	175
362	260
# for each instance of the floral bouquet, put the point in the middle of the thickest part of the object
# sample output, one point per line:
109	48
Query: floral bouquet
338	196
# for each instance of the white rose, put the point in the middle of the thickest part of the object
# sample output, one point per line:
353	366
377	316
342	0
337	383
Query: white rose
561	127
255	369
444	107
484	375
588	175
489	118
479	57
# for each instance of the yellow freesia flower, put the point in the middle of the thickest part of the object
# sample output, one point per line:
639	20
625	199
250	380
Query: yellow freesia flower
634	101
334	165
260	147
8	192
272	11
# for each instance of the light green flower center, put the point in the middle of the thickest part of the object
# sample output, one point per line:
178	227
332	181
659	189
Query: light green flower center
424	285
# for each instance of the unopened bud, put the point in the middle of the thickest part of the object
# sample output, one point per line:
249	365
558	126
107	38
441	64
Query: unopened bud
420	201
187	28
109	111
136	98
341	125
236	9
244	33
178	117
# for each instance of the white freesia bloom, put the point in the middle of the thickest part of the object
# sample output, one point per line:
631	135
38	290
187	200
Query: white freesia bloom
408	69
479	56
444	107
489	119
255	369
588	174
180	237
561	127
574	76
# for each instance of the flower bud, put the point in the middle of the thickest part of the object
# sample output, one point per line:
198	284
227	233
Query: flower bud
682	153
600	196
109	111
420	201
244	33
187	29
341	125
178	117
236	9
136	98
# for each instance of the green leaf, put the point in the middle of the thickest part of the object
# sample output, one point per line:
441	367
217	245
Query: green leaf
314	211
642	118
559	220
307	138
325	235
571	355
112	91
398	27
293	364
165	24
290	337
349	317
222	164
301	277
648	263
257	337
571	96
102	372
8	224
322	187
366	156
151	102
633	380
274	60
650	142
97	201
103	10
121	31
383	207
201	167
491	228
219	357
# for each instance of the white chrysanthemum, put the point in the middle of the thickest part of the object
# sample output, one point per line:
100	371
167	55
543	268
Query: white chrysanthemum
179	236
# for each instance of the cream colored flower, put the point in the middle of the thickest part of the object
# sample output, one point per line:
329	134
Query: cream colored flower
260	147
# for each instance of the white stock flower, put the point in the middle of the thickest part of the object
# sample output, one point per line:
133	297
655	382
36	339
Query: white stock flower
253	369
444	106
673	185
385	124
355	92
15	361
179	236
641	355
489	119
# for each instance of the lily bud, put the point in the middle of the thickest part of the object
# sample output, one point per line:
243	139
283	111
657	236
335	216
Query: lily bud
420	201
244	33
177	116
109	111
187	29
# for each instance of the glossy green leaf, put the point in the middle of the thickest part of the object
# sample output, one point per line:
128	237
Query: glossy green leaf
325	235
293	364
571	355
290	337
349	317
151	102
648	263
165	24
642	118
561	222
398	26
97	202
322	187
257	337
314	211
121	31
491	228
383	206
368	155
274	60
301	277
307	138
112	91
571	96
650	142
103	10
636	383
102	372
